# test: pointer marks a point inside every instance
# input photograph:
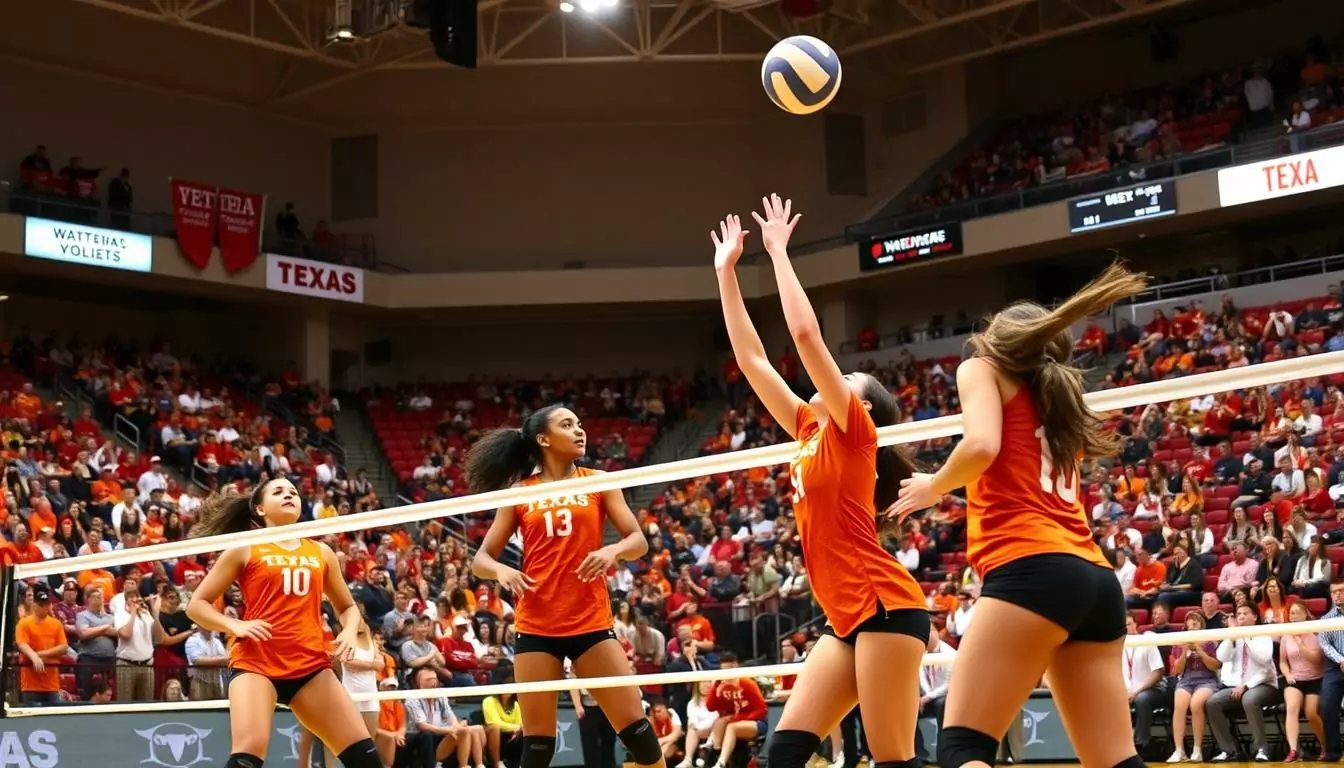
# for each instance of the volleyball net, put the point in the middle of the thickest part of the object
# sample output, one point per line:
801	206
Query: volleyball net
1122	399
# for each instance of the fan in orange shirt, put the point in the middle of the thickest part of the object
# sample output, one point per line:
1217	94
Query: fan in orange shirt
563	611
878	618
280	654
1049	599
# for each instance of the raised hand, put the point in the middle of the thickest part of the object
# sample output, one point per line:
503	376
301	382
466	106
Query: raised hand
778	224
728	242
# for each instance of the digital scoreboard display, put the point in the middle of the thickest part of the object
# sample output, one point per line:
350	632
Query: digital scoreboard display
913	245
1150	200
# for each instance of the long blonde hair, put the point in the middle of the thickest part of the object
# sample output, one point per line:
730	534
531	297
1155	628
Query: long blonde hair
1035	344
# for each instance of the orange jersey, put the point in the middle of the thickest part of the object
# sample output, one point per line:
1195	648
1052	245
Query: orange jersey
1022	506
284	588
833	479
558	533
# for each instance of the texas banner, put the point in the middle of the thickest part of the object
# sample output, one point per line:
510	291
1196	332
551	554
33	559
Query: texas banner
240	218
194	216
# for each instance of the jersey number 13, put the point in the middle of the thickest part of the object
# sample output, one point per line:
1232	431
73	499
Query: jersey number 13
1055	482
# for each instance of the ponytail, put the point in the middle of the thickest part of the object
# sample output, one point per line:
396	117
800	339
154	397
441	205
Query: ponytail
893	463
502	457
229	511
1035	345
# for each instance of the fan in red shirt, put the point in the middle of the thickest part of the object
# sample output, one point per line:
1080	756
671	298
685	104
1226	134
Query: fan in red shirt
741	708
458	653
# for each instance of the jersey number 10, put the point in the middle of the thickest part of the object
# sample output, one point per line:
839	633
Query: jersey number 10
296	581
1052	481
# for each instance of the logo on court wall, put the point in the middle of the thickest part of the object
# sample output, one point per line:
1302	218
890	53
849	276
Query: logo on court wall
175	745
291	735
561	729
1031	721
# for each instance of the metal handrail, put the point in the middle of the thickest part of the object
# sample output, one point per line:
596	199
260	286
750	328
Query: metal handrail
132	436
1202	160
1197	286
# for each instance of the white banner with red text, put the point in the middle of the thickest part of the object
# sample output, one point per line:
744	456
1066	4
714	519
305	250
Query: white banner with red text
314	278
1281	177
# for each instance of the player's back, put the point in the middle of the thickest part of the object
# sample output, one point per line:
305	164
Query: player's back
284	588
558	533
1022	505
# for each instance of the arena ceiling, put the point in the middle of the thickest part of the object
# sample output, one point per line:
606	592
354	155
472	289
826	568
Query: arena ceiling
276	56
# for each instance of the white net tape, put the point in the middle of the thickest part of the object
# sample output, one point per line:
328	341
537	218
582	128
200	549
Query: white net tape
672	678
1109	400
1264	374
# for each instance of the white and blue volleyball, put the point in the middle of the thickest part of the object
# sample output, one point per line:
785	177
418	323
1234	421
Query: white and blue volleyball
801	74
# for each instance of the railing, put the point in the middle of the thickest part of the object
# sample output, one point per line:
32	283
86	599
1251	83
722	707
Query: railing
81	679
125	429
779	620
1206	160
1197	286
359	250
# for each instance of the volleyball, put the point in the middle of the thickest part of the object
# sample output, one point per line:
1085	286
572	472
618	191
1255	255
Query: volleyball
801	74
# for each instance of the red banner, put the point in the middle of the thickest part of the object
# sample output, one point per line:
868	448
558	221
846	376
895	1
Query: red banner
240	222
194	215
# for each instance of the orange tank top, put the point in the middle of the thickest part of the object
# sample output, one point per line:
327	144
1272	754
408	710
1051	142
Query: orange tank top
284	588
558	533
833	480
1022	506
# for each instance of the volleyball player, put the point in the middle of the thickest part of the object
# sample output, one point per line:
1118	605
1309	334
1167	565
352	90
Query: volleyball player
1049	599
563	610
280	654
876	612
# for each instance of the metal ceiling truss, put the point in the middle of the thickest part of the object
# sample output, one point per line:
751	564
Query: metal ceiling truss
930	33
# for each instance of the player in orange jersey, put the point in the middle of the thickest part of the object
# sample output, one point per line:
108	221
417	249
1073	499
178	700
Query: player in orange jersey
1050	600
878	621
280	654
564	609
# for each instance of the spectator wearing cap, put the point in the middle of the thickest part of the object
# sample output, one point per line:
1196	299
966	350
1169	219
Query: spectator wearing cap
390	737
459	655
95	629
66	608
152	479
138	631
206	658
46	543
959	620
40	637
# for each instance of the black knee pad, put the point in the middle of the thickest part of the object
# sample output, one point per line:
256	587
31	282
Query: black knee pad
1132	762
538	751
641	742
958	746
362	754
791	749
243	760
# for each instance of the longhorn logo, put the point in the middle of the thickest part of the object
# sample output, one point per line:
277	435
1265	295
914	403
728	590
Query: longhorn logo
175	745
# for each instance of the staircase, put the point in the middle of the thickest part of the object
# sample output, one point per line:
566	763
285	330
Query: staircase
362	451
1259	143
1093	376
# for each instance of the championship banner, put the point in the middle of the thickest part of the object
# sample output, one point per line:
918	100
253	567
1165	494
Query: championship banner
194	216
240	221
